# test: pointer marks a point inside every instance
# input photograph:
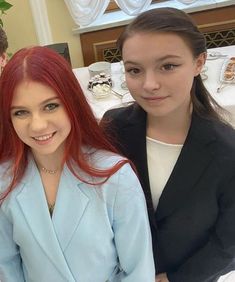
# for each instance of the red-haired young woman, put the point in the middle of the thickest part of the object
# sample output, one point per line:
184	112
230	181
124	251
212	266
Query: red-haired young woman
71	208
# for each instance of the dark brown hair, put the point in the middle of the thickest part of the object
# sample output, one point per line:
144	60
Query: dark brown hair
171	20
3	41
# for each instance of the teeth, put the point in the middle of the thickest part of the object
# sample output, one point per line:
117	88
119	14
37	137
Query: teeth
43	138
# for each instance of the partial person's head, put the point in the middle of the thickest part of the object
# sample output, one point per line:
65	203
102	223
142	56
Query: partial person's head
3	48
163	53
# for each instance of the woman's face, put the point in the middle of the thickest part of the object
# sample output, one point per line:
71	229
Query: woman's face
160	70
39	118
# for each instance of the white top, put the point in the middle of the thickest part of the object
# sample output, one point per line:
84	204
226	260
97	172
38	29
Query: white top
161	161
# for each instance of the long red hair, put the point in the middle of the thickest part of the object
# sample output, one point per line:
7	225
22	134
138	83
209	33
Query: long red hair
43	65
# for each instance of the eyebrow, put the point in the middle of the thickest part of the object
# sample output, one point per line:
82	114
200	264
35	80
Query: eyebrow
43	103
158	60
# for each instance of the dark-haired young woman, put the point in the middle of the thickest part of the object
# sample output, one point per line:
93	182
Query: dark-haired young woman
183	150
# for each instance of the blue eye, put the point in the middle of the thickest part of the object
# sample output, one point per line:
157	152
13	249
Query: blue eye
52	106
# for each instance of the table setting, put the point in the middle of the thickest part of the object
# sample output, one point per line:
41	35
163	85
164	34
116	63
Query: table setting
118	94
218	76
220	81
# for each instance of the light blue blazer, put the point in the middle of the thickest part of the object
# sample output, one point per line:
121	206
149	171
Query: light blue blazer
96	234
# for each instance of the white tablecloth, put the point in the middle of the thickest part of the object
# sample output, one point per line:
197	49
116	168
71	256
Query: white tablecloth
225	98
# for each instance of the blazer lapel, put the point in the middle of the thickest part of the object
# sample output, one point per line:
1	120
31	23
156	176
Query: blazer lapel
195	156
134	136
70	206
33	204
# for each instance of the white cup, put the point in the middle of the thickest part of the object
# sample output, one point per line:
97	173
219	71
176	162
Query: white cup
99	67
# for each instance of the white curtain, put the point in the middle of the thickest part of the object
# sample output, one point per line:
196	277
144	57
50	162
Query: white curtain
133	7
84	12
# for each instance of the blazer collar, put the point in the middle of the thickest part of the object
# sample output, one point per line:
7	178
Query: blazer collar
135	133
197	153
53	235
136	116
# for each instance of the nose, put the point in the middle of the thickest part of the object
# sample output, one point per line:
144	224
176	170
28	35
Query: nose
38	123
151	81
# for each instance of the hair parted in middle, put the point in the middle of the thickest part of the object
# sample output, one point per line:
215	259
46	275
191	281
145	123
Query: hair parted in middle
172	20
43	65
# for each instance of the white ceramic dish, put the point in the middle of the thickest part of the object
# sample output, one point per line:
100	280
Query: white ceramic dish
99	67
215	55
227	74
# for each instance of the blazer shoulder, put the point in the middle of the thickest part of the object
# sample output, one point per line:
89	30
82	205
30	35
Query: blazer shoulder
224	147
118	120
225	136
120	114
207	130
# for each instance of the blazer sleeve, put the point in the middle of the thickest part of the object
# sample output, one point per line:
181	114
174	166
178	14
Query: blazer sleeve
10	260
131	229
216	257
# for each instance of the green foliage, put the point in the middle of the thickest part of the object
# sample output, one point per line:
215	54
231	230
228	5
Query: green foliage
4	6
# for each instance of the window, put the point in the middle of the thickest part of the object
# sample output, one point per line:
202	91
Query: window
113	6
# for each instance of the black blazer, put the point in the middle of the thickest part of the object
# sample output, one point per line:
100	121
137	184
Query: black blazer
193	228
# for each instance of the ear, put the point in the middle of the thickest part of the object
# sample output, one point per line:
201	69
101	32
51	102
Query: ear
199	63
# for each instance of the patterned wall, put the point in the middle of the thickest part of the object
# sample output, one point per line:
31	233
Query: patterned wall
112	55
213	39
220	38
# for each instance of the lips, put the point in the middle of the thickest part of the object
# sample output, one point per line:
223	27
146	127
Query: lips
43	139
154	98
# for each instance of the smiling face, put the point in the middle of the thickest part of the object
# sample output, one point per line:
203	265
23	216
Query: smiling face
160	70
39	118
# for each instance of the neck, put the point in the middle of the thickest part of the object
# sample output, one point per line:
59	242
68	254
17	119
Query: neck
170	129
50	171
49	164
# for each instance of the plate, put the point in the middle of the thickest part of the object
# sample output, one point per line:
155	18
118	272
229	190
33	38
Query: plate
227	74
213	55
